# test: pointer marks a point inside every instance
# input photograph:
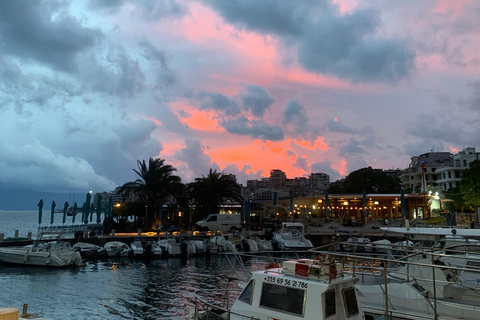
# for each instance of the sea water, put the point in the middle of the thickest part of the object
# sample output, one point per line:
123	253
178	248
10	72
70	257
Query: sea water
107	289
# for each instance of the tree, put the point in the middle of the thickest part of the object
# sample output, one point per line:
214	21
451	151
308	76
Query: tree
211	191
470	184
155	184
454	200
372	180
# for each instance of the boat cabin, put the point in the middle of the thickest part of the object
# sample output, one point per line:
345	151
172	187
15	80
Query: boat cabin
302	289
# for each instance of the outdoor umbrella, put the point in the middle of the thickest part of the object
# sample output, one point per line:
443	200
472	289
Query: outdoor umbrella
84	213
87	206
52	212
99	207
40	207
92	208
74	212
65	207
403	204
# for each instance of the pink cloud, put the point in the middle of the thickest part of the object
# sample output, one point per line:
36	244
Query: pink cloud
451	8
318	144
341	167
248	56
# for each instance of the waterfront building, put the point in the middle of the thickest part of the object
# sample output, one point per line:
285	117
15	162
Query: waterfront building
450	176
422	174
437	170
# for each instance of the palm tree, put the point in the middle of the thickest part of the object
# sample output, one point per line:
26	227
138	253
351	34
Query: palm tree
155	184
211	191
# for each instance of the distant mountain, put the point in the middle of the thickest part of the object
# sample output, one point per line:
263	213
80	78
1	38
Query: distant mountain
26	199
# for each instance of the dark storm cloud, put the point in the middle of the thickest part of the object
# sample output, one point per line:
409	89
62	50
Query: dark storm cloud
44	32
256	99
194	155
158	59
473	101
123	77
147	9
220	102
257	129
336	126
353	147
326	42
325	167
184	114
302	163
346	47
268	16
294	114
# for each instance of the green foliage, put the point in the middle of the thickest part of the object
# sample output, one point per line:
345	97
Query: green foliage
211	191
470	184
155	184
372	180
338	189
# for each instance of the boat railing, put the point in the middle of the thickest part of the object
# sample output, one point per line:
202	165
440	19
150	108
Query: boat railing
354	261
261	260
213	304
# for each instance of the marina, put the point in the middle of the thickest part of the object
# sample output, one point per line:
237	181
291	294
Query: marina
131	286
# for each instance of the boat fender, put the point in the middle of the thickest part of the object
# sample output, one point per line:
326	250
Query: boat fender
272	265
48	259
25	258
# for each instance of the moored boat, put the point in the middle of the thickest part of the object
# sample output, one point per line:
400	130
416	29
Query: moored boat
299	289
117	249
291	237
89	250
51	254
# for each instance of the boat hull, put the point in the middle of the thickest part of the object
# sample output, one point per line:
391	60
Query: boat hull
24	256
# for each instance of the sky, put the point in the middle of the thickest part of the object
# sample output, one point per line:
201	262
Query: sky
89	87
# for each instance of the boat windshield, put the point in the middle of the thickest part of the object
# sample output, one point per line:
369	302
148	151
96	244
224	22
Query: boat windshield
247	294
282	299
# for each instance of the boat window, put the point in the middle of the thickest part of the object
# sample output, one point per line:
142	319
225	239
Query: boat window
247	293
350	301
283	299
329	303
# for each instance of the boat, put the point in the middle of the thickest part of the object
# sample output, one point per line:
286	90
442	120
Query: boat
291	237
137	247
89	250
425	283
298	289
152	247
45	254
116	249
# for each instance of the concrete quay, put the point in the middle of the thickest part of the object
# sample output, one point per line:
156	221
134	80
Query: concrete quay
319	235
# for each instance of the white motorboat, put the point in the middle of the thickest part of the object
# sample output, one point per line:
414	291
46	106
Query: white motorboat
300	289
89	250
169	245
424	284
291	237
52	254
117	249
137	248
152	247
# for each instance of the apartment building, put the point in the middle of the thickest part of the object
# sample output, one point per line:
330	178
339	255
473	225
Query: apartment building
450	177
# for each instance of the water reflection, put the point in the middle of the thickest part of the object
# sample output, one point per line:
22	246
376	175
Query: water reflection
112	289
